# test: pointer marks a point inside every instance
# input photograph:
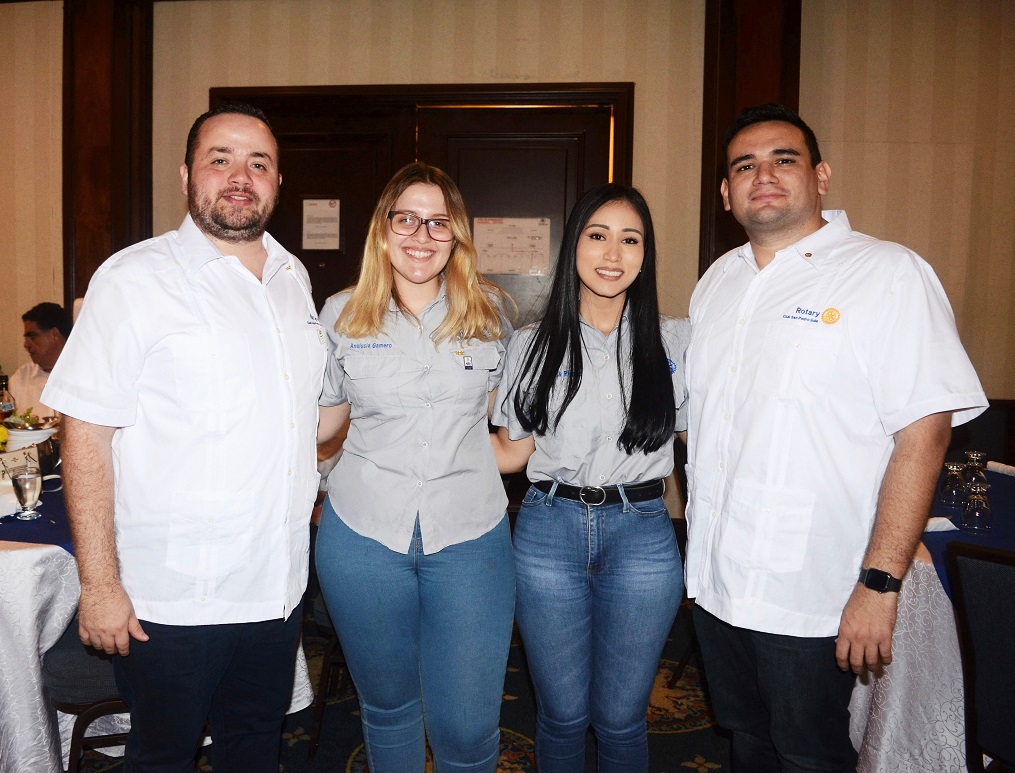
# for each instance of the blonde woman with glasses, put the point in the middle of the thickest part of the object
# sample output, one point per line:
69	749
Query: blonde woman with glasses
414	550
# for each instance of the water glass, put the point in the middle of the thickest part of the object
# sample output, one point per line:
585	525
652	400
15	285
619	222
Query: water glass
975	463
977	517
953	488
27	482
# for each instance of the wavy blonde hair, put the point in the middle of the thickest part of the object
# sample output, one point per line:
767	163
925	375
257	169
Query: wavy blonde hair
474	302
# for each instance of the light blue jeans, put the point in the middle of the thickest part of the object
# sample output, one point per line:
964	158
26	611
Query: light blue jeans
598	589
425	637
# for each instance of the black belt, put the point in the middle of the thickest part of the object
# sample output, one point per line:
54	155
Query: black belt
604	495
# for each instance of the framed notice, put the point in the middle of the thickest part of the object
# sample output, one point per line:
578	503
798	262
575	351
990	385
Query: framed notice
321	224
513	245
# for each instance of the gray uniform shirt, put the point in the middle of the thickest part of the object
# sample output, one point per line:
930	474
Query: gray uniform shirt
582	450
418	443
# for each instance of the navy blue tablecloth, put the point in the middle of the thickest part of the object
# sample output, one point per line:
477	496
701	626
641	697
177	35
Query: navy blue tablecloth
51	529
1002	499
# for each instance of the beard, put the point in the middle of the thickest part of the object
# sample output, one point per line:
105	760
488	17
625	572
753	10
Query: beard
229	223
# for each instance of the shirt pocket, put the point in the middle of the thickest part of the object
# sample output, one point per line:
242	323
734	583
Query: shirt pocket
767	527
473	369
371	384
797	363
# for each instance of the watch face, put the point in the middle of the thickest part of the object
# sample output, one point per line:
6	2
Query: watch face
880	581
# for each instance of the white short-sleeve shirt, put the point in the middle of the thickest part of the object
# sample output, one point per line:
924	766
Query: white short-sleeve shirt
799	374
418	443
213	378
582	449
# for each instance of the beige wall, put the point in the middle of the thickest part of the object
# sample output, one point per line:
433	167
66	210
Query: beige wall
913	102
31	212
658	44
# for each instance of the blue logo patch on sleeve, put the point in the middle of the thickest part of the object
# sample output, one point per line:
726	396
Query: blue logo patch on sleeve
672	364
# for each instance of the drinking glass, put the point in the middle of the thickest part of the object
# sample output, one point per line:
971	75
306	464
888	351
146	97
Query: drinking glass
953	489
977	517
975	461
27	482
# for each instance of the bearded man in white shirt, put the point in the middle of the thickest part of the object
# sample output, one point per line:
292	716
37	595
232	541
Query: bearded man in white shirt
825	373
189	391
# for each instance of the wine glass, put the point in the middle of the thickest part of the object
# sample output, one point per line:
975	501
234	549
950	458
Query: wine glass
977	516
953	489
975	461
27	482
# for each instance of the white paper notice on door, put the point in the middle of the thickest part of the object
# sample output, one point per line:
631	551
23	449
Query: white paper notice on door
513	245
320	224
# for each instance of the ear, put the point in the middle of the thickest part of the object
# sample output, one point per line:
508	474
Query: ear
824	172
184	178
724	191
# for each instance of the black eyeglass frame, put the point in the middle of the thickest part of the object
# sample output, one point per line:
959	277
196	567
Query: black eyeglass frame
422	221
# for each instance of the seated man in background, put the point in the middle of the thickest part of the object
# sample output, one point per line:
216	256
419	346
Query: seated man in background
46	329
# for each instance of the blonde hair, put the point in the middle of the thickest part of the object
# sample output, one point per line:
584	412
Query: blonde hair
473	301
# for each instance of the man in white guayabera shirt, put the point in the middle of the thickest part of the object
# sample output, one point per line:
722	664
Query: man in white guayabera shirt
825	373
189	390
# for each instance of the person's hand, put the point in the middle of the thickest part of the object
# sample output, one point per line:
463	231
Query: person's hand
865	630
106	620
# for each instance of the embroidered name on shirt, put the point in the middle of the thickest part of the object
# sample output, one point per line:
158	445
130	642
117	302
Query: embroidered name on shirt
563	374
371	345
803	315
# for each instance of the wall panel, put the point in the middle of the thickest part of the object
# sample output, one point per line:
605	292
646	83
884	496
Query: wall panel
913	102
31	245
655	43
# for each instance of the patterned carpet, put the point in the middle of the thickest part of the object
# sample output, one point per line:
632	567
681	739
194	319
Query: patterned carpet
682	734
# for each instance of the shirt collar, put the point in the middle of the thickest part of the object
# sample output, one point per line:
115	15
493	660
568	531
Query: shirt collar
441	298
198	250
816	248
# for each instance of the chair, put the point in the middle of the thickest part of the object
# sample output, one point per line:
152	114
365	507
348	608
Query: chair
983	591
80	681
332	679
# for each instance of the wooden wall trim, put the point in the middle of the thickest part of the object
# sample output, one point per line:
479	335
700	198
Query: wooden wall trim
107	133
752	55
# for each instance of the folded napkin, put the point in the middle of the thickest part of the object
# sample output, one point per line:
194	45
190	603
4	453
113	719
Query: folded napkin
940	524
8	499
1004	469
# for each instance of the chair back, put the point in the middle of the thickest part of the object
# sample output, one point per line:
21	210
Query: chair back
983	591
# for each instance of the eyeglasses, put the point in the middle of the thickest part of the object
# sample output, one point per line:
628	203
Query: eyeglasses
406	224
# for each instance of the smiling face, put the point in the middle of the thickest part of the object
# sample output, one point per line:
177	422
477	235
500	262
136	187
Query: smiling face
232	185
771	187
609	254
418	260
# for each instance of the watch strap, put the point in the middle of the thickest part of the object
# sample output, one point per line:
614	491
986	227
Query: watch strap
879	580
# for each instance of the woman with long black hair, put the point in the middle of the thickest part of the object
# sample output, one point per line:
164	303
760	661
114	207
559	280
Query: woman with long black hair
591	398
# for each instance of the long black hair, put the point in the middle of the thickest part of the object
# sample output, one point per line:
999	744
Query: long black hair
650	410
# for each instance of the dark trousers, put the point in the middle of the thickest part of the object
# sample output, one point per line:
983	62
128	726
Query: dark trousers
238	677
783	698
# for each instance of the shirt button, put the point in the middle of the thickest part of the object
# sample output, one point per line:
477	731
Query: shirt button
419	484
426	405
725	417
741	321
609	438
712	515
426	368
733	369
722	465
425	444
609	396
606	356
602	477
290	472
292	425
204	598
286	376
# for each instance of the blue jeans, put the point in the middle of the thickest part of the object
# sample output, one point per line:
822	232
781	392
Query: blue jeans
425	636
598	588
783	698
238	676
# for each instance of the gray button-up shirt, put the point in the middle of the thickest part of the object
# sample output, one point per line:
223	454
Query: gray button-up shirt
582	450
418	443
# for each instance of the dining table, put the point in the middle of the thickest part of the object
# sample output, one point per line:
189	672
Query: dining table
39	592
910	718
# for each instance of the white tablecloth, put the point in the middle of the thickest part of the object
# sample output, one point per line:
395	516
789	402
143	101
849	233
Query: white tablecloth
39	592
38	595
911	719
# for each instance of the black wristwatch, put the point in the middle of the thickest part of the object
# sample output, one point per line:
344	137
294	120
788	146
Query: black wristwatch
880	581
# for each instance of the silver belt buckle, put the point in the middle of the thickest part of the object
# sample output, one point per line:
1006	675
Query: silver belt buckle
585	493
